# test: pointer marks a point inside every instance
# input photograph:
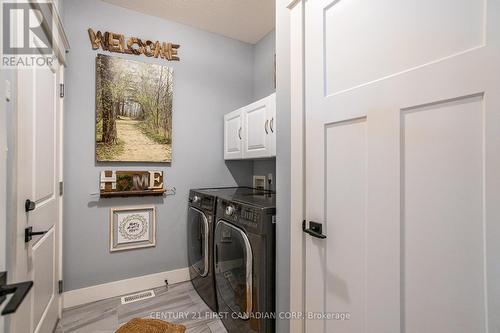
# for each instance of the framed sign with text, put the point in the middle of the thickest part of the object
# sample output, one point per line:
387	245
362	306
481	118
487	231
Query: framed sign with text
132	228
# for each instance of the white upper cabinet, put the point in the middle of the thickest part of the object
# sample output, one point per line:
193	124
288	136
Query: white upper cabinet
250	132
232	135
271	115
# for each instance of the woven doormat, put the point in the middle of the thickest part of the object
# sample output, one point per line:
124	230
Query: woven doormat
138	325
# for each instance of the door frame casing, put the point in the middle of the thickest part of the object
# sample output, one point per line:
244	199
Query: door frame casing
297	163
60	180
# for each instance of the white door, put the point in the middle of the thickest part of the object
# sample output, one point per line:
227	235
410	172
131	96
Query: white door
256	128
403	165
232	135
38	151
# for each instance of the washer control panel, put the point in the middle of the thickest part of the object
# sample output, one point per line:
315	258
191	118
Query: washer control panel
250	215
242	215
203	202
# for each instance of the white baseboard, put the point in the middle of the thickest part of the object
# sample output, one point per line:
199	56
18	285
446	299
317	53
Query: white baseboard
122	287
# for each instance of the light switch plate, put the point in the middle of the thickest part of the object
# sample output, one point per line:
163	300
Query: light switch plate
8	91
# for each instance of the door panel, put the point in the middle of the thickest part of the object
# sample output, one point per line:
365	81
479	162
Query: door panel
232	135
363	48
43	150
429	211
346	217
255	120
43	274
257	134
442	207
45	131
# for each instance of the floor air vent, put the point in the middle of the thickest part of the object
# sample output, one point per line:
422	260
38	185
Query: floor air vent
138	296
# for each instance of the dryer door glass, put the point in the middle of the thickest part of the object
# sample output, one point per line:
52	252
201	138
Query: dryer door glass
233	268
198	241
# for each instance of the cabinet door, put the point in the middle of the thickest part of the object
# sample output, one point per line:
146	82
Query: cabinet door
256	131
271	116
232	135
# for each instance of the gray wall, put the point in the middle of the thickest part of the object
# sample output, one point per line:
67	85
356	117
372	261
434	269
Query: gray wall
264	168
213	77
263	85
263	66
283	162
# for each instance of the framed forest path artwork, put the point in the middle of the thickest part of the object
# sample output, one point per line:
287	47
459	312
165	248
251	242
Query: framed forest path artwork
133	111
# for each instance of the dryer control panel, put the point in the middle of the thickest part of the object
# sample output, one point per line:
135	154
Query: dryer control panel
253	219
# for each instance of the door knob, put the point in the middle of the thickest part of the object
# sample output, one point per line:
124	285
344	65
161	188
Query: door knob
315	229
29	233
29	205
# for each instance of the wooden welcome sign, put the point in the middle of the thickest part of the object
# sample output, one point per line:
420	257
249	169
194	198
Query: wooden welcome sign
113	42
131	183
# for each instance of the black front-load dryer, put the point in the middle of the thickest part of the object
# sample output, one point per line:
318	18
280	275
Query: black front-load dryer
201	226
244	242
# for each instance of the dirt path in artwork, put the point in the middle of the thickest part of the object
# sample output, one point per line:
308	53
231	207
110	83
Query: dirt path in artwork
137	146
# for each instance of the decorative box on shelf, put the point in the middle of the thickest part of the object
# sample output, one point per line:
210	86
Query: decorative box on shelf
131	183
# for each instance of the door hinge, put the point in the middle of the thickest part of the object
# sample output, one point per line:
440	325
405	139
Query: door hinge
61	90
61	188
60	284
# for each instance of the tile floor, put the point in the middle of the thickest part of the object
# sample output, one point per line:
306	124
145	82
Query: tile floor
179	304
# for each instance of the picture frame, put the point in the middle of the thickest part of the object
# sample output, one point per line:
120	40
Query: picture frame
133	111
132	227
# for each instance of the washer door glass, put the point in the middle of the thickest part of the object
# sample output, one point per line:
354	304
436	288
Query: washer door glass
233	268
198	241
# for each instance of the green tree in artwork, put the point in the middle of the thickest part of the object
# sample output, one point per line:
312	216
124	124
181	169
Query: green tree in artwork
133	111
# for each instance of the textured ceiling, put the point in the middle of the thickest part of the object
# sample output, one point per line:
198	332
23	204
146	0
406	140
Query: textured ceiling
245	20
